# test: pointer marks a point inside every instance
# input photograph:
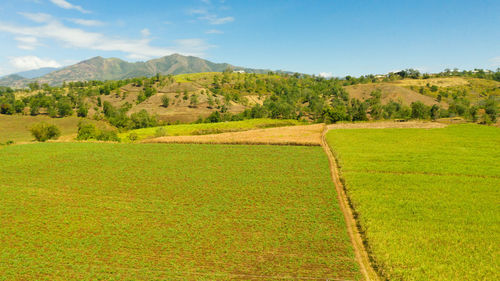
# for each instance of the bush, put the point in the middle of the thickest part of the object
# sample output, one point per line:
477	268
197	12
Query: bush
165	101
160	132
419	110
108	135
133	136
43	131
86	131
89	131
83	111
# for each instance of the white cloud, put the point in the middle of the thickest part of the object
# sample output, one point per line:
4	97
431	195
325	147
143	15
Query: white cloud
211	18
78	38
138	57
32	62
213	31
66	5
85	22
27	42
38	17
326	74
495	61
193	45
145	32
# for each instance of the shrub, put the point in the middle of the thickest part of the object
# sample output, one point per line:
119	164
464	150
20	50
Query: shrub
133	136
83	111
43	131
86	131
419	110
165	101
108	135
160	132
89	131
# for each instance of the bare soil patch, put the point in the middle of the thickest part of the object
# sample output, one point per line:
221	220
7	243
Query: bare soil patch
309	135
390	91
441	82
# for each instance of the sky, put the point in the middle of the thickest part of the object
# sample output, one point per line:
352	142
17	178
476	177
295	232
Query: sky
328	38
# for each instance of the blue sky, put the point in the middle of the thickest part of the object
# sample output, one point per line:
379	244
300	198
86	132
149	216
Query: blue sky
330	37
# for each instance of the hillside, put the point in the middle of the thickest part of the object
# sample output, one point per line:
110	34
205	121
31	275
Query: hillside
390	91
218	97
37	72
99	68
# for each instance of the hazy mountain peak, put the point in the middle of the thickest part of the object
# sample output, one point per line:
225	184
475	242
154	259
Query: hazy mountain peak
99	68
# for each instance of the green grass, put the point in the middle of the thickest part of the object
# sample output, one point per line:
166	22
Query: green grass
93	211
428	199
211	128
16	127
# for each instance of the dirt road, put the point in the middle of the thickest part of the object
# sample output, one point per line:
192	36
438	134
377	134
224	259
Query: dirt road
357	242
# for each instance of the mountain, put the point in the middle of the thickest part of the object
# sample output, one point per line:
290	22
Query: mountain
37	72
100	68
12	79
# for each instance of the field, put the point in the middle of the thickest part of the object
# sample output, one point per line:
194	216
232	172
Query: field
309	135
16	127
90	211
210	128
427	199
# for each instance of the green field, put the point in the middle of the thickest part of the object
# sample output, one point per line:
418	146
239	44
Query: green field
428	199
90	211
211	128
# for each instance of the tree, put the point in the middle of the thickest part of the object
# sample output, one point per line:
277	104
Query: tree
435	112
491	109
34	86
86	131
335	114
64	109
83	110
6	108
34	109
43	131
142	119
19	106
419	110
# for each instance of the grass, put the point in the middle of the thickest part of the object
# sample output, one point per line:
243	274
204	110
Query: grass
427	199
210	128
16	127
90	211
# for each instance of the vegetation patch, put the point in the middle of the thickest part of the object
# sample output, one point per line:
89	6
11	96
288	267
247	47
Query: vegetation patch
208	128
426	199
100	211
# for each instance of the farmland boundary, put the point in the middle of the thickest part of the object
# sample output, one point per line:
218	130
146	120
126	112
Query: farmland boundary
355	234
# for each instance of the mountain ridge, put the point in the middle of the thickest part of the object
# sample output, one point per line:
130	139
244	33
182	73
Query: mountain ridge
99	68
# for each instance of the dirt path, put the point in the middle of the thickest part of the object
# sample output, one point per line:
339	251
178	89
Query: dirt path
359	248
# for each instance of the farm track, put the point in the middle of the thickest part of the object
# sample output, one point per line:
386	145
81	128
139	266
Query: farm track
352	228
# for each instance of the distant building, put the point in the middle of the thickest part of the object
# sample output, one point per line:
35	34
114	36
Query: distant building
239	71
